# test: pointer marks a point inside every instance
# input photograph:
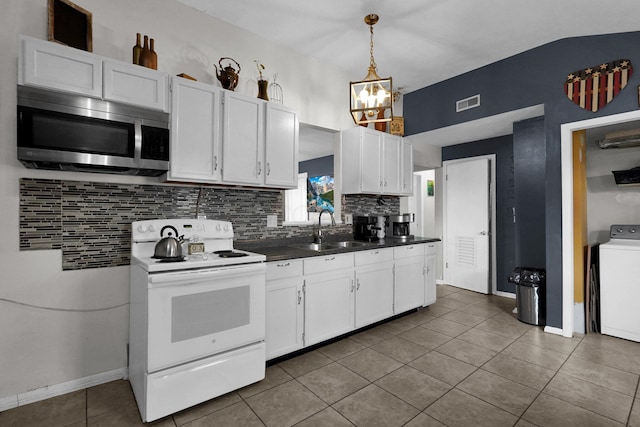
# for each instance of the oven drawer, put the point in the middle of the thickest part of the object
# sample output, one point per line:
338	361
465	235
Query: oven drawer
282	269
326	263
174	389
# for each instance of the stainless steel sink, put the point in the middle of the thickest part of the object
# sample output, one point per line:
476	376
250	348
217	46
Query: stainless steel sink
315	246
350	244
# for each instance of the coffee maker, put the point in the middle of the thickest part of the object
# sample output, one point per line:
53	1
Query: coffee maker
397	226
369	227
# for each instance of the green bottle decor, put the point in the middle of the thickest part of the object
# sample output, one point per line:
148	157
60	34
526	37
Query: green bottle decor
137	49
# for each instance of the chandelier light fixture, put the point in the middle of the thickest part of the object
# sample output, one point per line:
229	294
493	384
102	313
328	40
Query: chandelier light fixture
371	98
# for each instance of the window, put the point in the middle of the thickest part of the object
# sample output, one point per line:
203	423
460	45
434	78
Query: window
298	210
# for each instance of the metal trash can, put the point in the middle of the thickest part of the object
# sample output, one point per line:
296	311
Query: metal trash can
530	287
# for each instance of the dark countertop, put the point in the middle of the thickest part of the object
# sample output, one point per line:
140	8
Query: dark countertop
281	249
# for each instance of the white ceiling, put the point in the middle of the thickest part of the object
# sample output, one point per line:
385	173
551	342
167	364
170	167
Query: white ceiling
422	42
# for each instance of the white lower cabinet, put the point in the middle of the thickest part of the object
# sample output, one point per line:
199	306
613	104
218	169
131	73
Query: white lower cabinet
329	297
311	300
285	307
409	277
374	286
429	273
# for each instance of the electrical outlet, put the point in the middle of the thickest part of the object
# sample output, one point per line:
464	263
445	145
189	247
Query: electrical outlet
348	219
272	220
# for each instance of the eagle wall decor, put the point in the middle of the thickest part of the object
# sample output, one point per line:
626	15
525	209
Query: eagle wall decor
594	87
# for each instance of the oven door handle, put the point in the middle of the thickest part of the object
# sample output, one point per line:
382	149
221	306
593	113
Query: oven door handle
190	276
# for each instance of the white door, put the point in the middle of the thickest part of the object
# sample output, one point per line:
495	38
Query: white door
281	145
195	131
242	139
374	293
466	224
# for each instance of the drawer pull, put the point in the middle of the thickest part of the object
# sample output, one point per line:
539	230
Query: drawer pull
330	259
283	265
375	252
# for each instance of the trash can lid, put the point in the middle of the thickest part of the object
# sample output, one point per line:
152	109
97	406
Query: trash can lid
533	276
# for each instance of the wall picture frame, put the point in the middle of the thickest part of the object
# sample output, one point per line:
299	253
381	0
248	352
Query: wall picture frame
70	24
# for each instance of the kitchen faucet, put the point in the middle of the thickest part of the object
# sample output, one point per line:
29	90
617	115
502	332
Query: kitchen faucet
318	237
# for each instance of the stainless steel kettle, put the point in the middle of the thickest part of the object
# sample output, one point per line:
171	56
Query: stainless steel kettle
169	247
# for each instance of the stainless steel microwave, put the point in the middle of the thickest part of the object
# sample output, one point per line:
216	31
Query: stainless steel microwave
59	131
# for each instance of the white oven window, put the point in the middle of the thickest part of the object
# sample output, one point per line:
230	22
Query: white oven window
208	313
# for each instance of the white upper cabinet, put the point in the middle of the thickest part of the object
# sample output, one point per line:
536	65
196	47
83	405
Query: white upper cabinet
372	162
53	66
243	139
406	180
195	131
391	165
136	85
281	146
260	143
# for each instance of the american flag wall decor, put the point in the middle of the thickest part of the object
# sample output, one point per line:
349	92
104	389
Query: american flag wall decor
594	87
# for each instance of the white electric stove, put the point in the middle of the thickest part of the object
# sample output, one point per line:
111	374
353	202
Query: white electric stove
197	322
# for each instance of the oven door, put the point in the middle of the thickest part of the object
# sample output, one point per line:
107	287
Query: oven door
198	313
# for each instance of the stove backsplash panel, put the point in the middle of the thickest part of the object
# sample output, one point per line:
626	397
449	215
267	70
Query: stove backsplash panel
91	221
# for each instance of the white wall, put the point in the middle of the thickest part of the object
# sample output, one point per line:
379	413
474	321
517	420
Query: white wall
44	347
607	203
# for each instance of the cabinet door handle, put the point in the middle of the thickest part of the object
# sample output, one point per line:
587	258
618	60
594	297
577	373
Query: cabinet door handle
358	287
215	163
268	168
282	265
259	168
352	286
299	297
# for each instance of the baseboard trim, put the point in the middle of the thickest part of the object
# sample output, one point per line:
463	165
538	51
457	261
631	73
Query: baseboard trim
552	330
49	391
505	294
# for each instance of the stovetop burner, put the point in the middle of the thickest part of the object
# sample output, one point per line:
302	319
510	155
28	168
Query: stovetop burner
229	254
171	259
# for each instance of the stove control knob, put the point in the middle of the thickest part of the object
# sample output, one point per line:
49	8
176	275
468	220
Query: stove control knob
218	227
152	228
226	227
142	228
632	230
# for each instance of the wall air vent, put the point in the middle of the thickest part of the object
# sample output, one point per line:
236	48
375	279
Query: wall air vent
467	103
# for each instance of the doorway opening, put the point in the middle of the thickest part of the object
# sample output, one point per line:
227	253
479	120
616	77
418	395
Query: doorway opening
569	308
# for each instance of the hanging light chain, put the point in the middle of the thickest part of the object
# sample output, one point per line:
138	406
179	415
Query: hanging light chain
372	61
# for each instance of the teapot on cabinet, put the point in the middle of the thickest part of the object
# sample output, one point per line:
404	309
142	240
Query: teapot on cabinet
228	76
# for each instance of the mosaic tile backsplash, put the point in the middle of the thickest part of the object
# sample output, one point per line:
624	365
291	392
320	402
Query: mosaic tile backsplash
91	222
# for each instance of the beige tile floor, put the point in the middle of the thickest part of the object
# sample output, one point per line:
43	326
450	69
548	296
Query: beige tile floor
464	361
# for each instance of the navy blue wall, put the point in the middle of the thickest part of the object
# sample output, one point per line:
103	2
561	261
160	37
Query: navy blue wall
531	78
317	167
502	147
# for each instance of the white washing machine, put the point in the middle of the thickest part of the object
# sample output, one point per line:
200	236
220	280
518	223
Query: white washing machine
620	283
